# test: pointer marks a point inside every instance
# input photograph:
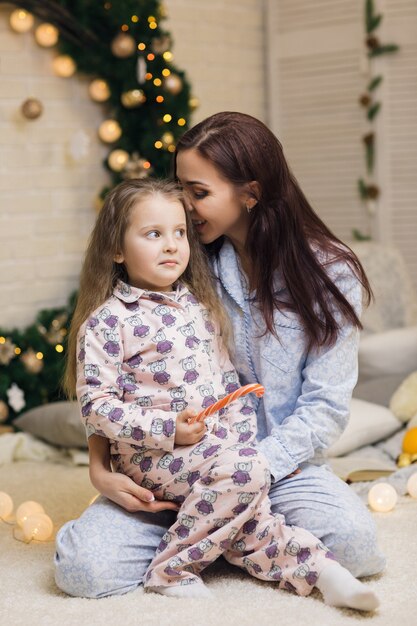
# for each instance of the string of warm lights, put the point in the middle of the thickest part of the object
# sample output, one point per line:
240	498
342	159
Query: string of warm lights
132	75
30	523
382	497
126	56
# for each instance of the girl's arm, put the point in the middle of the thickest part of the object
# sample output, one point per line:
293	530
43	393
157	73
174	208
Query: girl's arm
118	487
105	407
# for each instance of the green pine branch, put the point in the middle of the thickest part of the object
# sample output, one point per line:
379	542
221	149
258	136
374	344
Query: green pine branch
384	49
375	82
373	110
363	189
359	236
370	157
372	21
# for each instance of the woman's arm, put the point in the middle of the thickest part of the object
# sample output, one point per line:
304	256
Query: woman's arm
119	488
321	407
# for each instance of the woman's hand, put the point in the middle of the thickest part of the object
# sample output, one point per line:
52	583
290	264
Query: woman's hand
187	434
122	490
119	488
297	471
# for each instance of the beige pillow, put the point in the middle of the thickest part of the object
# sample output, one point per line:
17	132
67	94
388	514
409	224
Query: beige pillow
392	352
58	423
368	423
404	400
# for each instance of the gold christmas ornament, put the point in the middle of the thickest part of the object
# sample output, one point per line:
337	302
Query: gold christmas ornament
161	44
193	103
123	46
32	363
98	203
4	411
21	21
32	108
46	35
7	351
99	90
109	131
56	331
64	66
167	139
133	98
163	13
137	167
117	160
173	84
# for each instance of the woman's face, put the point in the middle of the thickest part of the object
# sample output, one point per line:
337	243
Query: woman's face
217	207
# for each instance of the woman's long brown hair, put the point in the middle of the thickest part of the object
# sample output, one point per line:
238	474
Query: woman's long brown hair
283	226
100	272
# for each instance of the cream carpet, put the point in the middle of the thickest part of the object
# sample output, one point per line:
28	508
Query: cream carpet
28	594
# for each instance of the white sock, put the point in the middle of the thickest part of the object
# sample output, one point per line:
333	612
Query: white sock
340	588
195	590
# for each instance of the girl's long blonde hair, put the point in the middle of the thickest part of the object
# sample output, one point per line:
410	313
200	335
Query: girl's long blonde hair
100	272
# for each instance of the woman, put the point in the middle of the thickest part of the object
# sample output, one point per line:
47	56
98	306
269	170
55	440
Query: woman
293	292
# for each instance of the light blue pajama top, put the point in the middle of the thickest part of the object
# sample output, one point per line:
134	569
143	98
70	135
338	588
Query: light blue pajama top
307	394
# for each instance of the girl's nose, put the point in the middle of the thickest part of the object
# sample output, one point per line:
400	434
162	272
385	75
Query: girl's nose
170	244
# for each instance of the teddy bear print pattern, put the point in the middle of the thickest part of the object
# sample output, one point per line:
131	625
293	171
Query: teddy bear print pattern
143	357
222	486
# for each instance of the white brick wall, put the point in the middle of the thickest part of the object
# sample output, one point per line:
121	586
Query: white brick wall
46	199
220	44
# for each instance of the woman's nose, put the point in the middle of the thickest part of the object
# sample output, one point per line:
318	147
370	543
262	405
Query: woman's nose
187	202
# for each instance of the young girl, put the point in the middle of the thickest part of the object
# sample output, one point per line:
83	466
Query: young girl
151	352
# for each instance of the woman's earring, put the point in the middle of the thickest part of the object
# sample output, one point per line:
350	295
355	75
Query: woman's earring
248	208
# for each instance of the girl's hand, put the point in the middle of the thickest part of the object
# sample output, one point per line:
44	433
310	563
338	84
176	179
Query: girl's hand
122	490
187	434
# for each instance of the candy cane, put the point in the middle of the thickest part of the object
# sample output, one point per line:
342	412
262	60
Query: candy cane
258	390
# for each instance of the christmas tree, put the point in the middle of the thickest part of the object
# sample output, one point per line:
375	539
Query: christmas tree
123	49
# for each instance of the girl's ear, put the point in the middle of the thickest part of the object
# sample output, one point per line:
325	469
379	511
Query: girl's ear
118	258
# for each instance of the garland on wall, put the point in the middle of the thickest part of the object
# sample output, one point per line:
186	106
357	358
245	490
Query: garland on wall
126	53
123	49
32	362
369	190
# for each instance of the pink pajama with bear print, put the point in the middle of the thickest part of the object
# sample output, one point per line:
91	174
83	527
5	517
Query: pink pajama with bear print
143	357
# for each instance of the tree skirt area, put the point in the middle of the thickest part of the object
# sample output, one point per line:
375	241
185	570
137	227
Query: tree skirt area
28	594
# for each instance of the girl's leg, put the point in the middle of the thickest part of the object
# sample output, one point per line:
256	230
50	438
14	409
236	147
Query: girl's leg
319	501
222	483
107	550
269	550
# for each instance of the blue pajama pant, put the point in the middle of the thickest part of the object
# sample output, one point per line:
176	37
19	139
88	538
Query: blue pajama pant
107	550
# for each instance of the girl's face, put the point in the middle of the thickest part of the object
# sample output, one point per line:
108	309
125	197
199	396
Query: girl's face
217	206
155	247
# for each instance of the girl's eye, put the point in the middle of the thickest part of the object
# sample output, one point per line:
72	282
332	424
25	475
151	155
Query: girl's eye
180	233
153	234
